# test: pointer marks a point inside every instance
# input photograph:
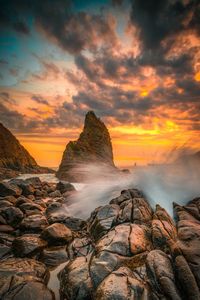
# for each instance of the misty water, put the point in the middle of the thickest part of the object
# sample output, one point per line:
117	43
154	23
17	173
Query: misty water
161	184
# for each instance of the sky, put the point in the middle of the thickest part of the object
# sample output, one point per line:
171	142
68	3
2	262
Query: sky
135	63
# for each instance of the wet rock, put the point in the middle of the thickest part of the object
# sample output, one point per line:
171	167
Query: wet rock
187	282
126	240
23	267
136	210
140	239
28	245
22	200
35	181
55	194
75	280
6	228
64	187
12	215
23	289
81	247
57	234
161	275
102	219
164	234
11	199
8	189
189	237
29	208
116	241
54	256
33	223
121	284
6	239
25	186
75	224
4	203
126	195
102	264
4	251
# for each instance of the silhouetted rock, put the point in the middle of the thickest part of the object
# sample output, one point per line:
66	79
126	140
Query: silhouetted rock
93	146
13	156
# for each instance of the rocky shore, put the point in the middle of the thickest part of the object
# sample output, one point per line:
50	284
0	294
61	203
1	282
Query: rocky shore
125	250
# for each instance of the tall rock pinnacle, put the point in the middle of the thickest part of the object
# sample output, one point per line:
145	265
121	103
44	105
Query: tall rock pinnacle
93	146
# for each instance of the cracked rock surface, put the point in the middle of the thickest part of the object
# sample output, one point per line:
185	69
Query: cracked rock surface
125	250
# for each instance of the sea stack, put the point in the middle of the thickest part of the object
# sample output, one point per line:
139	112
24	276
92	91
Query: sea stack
92	147
14	158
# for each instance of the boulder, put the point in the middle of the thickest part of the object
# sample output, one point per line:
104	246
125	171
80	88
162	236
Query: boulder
164	234
23	267
122	285
64	187
55	194
33	223
22	289
102	219
12	215
4	251
161	275
188	226
186	279
75	282
54	256
57	234
80	247
26	187
8	189
28	245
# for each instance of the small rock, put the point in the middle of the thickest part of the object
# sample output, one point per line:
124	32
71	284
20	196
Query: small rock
64	186
35	222
7	189
12	215
28	244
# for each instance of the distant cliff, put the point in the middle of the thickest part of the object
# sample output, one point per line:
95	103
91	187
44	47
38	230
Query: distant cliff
93	146
14	158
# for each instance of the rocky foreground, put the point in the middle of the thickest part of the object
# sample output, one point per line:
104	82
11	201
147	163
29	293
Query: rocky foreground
125	250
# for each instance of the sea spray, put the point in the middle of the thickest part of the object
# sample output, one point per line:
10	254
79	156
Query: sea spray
161	184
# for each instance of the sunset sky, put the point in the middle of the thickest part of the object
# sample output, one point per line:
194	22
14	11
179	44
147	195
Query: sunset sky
135	63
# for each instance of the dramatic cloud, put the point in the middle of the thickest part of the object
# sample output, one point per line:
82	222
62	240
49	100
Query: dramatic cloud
135	63
39	99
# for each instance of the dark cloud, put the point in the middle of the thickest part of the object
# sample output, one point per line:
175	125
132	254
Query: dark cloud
5	96
117	2
3	62
21	27
73	32
157	20
39	99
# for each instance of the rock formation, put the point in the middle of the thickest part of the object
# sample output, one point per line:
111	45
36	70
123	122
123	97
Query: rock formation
93	146
14	158
125	250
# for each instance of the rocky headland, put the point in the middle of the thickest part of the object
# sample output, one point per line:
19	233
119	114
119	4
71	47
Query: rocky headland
93	146
125	250
14	158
